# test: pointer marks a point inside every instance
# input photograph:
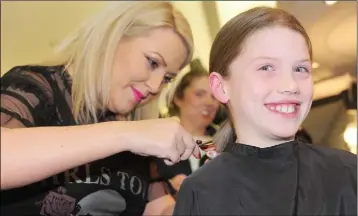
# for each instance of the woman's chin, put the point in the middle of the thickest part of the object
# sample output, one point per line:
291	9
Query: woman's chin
124	110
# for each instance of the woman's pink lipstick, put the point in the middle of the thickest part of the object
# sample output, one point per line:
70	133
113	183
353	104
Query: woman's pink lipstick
138	96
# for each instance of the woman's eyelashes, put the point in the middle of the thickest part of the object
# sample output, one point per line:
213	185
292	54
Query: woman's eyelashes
152	63
167	79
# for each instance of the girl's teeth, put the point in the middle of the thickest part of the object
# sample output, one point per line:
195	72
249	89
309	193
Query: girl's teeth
286	108
205	112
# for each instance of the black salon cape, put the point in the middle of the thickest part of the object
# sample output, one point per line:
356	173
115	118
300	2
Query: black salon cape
292	178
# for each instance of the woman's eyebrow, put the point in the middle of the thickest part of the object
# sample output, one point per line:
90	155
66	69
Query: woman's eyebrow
161	57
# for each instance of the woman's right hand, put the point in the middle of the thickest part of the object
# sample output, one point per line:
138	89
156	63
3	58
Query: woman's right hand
162	138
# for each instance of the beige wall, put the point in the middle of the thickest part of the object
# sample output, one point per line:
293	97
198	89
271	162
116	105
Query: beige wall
194	12
29	30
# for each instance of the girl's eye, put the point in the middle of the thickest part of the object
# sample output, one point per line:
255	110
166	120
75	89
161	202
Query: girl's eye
153	64
301	69
266	68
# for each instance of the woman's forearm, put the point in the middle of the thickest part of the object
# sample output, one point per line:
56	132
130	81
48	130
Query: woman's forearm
169	209
29	155
163	205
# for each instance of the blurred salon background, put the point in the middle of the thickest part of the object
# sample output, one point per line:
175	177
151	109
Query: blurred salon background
30	31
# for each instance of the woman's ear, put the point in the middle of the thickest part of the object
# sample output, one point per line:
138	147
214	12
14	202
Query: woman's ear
217	86
177	101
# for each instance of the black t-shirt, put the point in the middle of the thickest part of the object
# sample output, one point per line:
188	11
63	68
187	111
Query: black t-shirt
117	185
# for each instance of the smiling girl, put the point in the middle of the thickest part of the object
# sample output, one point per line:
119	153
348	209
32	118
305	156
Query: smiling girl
260	65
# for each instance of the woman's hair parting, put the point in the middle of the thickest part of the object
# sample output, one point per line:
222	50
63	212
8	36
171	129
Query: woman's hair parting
229	43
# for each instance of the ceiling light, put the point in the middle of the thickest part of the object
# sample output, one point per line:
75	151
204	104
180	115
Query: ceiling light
315	65
229	9
350	133
350	137
330	2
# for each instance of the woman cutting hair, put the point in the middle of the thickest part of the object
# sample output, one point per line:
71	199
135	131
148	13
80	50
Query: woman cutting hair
66	127
261	69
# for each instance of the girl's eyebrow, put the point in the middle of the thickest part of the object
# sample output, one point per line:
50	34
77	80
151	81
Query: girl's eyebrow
277	59
264	58
304	60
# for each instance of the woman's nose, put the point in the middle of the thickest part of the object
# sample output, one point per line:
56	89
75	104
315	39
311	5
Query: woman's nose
154	82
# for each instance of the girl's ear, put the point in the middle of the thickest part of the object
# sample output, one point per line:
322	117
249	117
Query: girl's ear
218	89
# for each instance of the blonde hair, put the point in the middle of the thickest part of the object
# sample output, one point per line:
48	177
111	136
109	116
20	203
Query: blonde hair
229	42
88	53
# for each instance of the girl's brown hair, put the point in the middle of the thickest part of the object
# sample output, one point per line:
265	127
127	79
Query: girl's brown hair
229	43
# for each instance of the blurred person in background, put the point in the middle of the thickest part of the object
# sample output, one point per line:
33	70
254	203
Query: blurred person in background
68	142
190	100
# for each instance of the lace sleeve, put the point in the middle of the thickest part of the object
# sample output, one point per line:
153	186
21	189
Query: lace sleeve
23	95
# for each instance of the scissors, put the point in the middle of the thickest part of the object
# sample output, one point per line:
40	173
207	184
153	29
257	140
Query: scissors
207	145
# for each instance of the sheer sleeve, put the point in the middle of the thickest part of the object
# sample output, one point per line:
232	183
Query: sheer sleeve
24	94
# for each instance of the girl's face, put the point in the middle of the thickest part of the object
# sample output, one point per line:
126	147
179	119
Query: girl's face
269	90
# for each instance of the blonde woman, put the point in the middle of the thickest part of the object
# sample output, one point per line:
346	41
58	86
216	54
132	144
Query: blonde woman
66	140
